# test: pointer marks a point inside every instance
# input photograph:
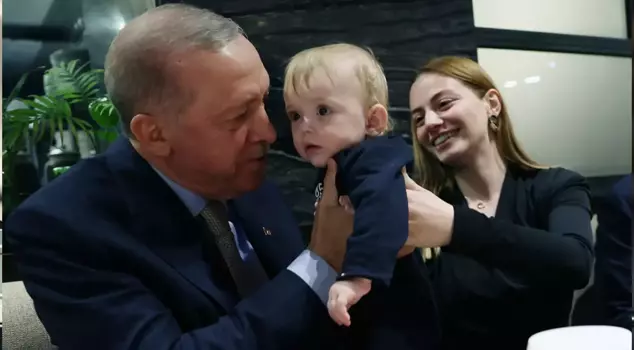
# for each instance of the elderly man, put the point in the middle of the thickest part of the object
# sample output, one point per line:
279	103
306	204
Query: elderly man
171	239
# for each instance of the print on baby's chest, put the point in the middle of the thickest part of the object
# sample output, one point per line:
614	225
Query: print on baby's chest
319	190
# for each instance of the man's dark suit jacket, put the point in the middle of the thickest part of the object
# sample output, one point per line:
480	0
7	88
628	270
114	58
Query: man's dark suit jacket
114	260
613	267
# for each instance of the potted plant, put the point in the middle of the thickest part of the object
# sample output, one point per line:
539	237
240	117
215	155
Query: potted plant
70	88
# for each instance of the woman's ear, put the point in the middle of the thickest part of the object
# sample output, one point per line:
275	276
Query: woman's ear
376	122
493	100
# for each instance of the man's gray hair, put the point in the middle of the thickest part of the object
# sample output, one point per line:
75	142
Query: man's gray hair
137	74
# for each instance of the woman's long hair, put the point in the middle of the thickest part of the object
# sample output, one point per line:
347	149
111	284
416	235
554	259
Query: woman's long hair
429	172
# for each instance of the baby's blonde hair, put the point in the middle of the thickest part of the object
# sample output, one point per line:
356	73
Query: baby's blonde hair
367	69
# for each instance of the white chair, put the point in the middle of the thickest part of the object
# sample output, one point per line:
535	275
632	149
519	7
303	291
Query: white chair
21	328
582	338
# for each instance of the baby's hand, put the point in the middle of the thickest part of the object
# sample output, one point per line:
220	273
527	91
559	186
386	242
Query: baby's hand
344	294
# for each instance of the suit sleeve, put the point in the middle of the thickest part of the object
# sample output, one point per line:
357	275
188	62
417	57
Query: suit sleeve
371	174
85	300
613	277
561	254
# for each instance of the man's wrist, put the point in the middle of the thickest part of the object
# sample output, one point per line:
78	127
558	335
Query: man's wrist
315	271
329	258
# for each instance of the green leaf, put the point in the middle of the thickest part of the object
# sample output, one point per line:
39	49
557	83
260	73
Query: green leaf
21	114
103	112
45	102
87	128
12	135
60	128
82	81
51	129
39	129
71	65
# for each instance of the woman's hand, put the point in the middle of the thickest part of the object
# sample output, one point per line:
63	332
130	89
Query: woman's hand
346	205
430	218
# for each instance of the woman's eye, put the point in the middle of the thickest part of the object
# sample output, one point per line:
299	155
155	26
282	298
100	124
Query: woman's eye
419	120
445	104
322	110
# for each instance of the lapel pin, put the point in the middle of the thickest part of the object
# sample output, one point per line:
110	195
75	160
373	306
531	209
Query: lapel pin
267	232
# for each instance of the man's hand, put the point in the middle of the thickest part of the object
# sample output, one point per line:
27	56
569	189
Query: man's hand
333	223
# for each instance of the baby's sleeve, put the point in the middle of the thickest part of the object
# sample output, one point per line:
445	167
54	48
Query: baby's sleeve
370	175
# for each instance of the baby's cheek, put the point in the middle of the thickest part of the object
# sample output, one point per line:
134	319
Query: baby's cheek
297	142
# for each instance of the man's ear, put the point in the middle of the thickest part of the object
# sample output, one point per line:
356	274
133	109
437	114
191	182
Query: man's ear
149	134
377	121
493	100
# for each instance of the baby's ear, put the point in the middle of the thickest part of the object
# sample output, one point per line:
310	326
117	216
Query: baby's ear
376	121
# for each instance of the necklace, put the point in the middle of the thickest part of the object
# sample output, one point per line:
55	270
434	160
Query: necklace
480	205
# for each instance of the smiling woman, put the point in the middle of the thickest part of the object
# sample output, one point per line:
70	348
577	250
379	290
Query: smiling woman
519	241
456	109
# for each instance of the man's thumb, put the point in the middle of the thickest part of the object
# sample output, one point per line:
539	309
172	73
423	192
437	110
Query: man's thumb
329	194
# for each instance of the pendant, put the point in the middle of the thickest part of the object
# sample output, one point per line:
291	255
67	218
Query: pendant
480	205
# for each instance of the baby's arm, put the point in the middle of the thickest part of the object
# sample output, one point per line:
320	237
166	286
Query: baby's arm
370	174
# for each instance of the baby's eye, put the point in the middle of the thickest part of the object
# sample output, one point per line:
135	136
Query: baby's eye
323	110
293	116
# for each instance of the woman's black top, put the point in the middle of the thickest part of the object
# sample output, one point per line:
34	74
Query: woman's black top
505	278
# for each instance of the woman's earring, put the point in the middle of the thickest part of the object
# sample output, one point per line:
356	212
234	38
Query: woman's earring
493	122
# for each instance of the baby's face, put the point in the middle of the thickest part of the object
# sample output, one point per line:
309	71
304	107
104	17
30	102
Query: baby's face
326	118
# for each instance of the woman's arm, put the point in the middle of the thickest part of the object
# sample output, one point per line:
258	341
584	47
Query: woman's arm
562	253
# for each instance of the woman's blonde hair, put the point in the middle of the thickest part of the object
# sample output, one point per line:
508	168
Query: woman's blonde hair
429	172
435	176
367	70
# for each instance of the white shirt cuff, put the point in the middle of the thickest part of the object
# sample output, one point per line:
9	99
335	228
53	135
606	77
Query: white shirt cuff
315	271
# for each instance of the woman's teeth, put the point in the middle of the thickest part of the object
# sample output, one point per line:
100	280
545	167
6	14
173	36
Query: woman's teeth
444	137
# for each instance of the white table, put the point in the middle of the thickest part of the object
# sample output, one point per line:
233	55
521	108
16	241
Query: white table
582	338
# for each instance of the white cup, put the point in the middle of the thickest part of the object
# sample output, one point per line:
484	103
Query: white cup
582	338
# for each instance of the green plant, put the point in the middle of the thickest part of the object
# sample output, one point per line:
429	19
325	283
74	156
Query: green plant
69	88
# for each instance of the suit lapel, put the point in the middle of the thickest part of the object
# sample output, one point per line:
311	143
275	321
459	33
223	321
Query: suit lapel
163	222
270	228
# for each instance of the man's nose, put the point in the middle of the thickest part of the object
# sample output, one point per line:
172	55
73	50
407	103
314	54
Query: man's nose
263	130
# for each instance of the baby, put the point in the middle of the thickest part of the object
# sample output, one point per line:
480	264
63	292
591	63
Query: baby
336	98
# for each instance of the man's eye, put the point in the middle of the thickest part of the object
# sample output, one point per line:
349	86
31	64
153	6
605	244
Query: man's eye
323	110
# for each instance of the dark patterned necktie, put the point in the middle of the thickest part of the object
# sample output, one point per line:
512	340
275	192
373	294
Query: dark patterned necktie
217	220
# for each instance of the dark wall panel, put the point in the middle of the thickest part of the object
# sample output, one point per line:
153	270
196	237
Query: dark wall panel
402	34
